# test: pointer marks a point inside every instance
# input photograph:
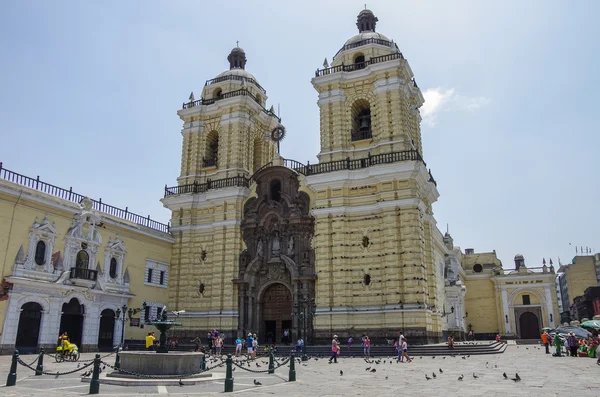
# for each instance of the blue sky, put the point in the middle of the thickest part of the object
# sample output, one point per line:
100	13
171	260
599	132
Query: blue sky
90	91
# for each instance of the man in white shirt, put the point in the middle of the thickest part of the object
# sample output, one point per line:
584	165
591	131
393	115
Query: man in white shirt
400	340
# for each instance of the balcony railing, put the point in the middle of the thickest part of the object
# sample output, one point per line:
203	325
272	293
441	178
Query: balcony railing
308	169
238	181
366	42
209	162
70	195
240	92
236	78
360	135
83	274
358	66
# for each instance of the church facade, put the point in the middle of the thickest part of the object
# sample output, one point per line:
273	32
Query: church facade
258	243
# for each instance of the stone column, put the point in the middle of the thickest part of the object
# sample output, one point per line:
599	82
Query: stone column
117	331
51	329
505	311
11	321
91	327
549	308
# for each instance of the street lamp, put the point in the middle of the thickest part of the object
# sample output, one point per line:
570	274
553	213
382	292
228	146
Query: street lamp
303	309
124	311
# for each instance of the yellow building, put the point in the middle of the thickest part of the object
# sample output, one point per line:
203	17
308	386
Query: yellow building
515	304
71	263
574	278
259	243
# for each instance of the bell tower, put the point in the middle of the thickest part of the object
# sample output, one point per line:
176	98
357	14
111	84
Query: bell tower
226	131
226	138
369	101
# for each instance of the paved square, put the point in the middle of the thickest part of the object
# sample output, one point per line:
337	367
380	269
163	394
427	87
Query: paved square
542	375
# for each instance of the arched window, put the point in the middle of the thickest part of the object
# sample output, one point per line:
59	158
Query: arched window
40	253
259	99
211	155
83	260
113	268
359	61
275	190
361	120
218	93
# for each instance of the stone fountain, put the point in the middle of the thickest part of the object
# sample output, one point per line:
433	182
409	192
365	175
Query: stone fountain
159	362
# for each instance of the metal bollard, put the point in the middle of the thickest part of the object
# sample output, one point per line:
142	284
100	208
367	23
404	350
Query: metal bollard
40	365
229	375
271	362
203	362
118	361
11	379
95	382
292	375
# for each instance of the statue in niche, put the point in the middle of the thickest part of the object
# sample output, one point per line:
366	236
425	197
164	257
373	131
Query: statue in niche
276	249
259	248
291	246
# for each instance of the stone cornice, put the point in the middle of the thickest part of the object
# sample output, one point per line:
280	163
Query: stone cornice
369	208
207	199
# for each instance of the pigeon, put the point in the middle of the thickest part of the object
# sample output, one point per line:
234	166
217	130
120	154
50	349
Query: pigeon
232	369
368	368
505	376
517	378
57	374
433	373
257	383
180	383
427	377
461	377
341	373
78	365
475	376
386	377
257	365
373	370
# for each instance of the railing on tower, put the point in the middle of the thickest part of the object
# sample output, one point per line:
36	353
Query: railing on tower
70	195
236	78
366	42
304	169
357	66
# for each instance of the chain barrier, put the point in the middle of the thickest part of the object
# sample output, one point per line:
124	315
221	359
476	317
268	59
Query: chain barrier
260	370
54	373
34	361
161	376
79	361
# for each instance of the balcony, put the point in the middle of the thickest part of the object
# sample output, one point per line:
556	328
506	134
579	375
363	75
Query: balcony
235	78
209	162
359	135
358	66
83	277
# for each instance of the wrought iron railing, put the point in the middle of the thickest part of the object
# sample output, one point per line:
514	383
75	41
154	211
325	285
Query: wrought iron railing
209	162
231	94
84	274
357	66
236	78
366	42
239	181
304	169
359	135
70	195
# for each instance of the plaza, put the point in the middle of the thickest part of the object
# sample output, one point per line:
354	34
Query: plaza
542	375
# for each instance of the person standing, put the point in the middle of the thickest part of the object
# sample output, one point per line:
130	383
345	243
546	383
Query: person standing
450	342
400	340
238	347
405	352
334	349
572	344
249	345
254	346
149	341
367	347
350	340
546	341
557	344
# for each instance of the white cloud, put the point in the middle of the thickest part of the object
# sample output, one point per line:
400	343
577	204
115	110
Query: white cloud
442	100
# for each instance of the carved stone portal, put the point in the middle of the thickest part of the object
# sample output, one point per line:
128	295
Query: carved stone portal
277	228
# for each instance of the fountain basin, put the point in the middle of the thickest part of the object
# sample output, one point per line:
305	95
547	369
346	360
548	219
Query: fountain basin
152	363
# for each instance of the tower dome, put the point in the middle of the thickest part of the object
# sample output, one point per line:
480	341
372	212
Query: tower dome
366	21
237	58
237	68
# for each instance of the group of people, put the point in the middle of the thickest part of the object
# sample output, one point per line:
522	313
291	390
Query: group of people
400	345
575	347
251	343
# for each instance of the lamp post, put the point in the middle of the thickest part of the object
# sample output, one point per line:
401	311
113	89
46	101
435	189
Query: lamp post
122	310
303	309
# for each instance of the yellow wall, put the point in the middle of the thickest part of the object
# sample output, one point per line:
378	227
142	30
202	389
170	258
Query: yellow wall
17	215
481	303
580	275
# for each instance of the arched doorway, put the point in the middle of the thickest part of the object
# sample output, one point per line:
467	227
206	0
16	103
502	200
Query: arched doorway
276	309
529	326
107	330
28	331
71	321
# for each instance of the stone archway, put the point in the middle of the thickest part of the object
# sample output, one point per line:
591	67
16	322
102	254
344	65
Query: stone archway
276	305
529	325
28	331
107	330
277	229
71	321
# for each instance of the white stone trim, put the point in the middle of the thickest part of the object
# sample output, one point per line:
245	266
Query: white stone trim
368	208
156	267
335	95
365	149
213	225
114	249
210	313
206	199
505	310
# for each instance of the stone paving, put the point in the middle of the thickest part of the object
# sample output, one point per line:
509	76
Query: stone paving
542	375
